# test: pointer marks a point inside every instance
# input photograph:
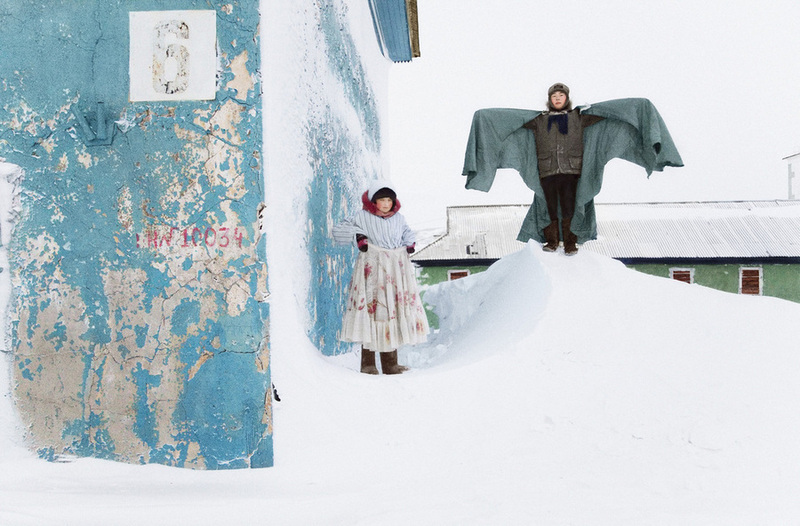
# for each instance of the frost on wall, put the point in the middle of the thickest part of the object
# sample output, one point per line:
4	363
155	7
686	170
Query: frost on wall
344	143
138	270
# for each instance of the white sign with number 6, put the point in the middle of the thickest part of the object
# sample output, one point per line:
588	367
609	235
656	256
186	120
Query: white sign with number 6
173	55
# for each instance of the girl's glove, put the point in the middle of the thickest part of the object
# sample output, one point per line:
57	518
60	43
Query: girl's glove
410	248
361	241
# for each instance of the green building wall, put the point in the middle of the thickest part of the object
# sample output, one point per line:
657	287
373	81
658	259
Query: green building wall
432	275
428	276
779	280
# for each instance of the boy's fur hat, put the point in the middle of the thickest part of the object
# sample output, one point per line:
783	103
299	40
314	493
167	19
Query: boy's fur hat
558	86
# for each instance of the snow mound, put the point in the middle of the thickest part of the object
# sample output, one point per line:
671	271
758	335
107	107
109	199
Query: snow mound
561	390
506	300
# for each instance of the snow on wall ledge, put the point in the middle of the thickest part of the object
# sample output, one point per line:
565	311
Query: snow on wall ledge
138	317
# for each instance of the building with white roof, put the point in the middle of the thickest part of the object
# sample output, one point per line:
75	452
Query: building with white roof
746	247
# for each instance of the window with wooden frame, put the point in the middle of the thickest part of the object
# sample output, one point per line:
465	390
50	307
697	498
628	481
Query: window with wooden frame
457	274
751	280
682	274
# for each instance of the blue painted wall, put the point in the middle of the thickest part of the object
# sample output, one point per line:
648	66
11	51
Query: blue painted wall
339	175
138	269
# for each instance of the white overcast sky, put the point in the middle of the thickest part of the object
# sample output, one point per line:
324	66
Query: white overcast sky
725	76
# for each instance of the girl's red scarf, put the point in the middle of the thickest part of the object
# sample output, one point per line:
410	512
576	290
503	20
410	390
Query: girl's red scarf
372	208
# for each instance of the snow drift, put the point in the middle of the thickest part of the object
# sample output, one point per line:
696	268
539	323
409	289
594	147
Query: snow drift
560	390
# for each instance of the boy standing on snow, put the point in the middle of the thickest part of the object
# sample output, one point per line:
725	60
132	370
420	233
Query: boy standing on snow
559	146
383	309
563	160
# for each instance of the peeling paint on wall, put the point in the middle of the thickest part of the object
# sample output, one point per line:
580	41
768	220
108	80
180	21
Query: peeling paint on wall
138	268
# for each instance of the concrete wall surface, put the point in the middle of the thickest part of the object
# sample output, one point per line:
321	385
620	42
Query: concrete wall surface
138	270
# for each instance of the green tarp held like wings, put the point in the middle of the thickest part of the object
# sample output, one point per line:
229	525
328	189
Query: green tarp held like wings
632	130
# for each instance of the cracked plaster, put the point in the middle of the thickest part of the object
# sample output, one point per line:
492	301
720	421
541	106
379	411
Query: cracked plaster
137	267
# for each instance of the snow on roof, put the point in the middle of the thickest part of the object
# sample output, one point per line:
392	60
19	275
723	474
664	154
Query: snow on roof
477	233
635	231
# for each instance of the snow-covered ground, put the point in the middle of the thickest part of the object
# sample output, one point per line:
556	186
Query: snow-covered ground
559	391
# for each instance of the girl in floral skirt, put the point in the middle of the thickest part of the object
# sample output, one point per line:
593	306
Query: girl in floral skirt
384	310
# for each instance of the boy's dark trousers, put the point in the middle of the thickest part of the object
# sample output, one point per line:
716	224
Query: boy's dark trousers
560	188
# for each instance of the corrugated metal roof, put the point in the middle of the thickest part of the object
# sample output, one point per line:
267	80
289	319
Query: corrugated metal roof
636	231
477	233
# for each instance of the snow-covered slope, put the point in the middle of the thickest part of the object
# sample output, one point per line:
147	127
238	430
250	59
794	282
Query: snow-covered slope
559	391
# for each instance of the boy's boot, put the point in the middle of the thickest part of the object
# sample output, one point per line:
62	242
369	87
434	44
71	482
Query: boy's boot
368	362
551	237
389	363
570	239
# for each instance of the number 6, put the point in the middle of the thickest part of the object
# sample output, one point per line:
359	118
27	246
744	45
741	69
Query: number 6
170	58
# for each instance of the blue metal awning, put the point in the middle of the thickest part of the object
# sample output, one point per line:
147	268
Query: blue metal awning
396	28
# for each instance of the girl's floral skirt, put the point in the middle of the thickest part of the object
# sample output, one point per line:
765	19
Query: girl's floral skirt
384	310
